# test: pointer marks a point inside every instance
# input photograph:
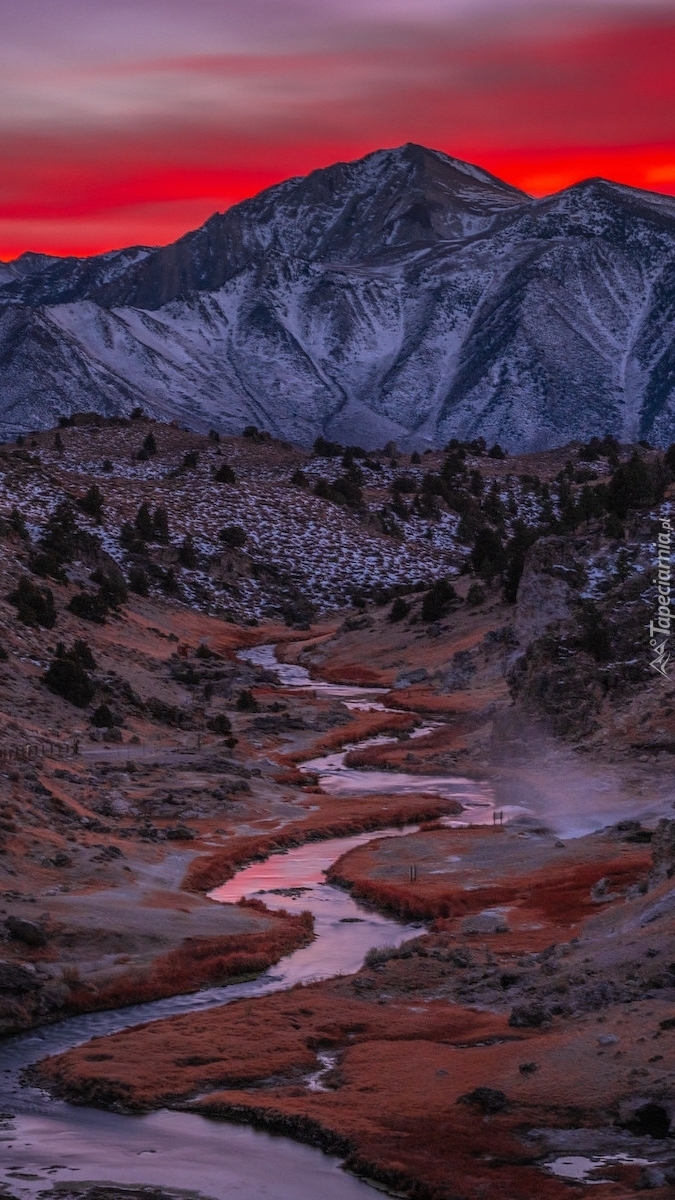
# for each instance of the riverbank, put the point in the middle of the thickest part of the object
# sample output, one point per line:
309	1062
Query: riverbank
504	1020
514	957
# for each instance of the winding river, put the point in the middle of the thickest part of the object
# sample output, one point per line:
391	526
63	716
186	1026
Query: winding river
47	1142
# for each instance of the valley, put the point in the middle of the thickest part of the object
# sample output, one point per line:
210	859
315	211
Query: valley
465	1028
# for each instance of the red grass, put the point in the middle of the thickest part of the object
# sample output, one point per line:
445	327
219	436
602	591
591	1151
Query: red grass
203	962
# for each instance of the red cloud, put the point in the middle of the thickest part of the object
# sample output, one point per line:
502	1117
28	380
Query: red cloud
541	112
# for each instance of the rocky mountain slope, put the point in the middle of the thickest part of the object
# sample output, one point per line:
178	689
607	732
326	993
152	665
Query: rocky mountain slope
406	296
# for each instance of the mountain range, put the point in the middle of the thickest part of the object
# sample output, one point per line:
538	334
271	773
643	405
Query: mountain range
406	296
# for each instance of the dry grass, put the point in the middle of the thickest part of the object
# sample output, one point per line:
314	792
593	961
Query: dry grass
202	962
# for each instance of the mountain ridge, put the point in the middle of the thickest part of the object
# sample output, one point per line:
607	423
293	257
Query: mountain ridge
406	295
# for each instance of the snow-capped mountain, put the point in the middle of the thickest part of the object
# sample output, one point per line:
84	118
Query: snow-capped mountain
406	296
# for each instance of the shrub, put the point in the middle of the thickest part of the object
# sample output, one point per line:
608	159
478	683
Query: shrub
403	485
487	555
399	610
143	522
17	524
190	459
170	583
187	554
496	452
635	484
299	479
160	525
34	605
225	474
61	537
613	528
475	595
3	653
138	581
595	638
112	585
438	600
47	567
67	678
89	606
219	724
92	503
214	436
148	448
325	449
107	466
233	536
246	701
102	717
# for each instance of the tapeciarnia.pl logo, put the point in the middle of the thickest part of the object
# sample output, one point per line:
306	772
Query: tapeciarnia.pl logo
659	627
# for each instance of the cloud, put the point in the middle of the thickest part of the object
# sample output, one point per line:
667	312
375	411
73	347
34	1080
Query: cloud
124	112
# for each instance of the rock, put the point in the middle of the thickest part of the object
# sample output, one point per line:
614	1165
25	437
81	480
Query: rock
179	834
485	922
528	1016
408	678
663	851
488	1100
601	894
17	978
650	1178
548	587
28	932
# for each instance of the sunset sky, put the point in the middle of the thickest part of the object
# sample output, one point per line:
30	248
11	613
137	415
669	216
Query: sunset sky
131	121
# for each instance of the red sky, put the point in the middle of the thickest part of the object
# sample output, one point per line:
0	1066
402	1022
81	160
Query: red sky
126	121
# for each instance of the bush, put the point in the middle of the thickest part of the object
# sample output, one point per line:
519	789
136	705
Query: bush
148	449
299	479
220	724
67	678
160	525
225	474
475	595
487	555
613	528
187	554
246	701
233	536
399	610
438	600
47	567
17	524
89	606
169	583
112	585
496	452
62	537
92	503
403	485
324	449
35	605
635	484
138	581
595	638
102	717
143	522
190	459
